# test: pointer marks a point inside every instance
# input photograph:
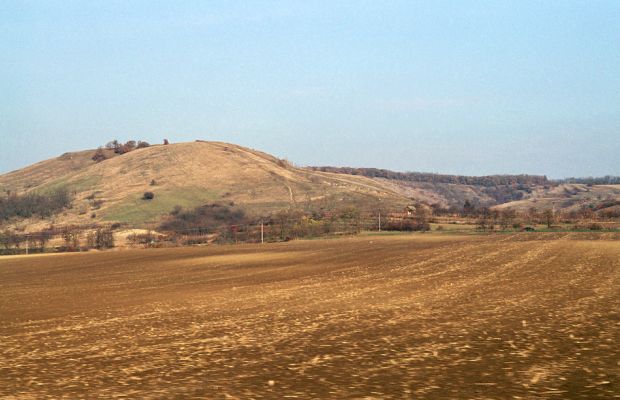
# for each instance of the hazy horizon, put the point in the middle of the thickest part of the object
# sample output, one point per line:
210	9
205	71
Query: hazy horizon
468	88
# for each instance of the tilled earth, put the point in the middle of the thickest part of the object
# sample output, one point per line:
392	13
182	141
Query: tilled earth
414	316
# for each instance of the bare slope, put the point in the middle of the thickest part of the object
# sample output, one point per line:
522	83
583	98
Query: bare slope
44	172
190	174
570	197
418	316
519	192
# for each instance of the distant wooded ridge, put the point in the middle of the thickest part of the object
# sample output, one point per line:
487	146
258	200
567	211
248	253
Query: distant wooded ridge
490	180
605	180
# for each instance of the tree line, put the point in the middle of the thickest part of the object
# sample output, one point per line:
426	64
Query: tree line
13	242
34	204
490	180
118	148
604	180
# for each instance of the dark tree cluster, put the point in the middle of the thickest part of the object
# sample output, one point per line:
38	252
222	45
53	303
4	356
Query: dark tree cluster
604	180
101	238
122	148
505	193
99	155
207	217
12	242
491	180
606	204
30	204
97	237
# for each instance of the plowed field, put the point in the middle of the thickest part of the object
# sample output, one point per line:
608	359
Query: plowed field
414	316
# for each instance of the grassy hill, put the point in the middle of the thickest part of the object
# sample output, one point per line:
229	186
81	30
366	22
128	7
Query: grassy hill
197	173
189	175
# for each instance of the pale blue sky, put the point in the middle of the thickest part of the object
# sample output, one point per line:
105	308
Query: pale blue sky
440	86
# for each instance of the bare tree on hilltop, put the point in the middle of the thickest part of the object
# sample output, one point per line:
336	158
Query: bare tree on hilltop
99	155
120	148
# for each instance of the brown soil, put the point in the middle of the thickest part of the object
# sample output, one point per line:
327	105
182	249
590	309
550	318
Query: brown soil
417	316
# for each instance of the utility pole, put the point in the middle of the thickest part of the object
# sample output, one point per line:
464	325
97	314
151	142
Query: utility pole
27	240
379	221
262	232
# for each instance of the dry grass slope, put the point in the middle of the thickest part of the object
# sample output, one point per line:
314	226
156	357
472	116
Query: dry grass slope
190	174
566	197
46	172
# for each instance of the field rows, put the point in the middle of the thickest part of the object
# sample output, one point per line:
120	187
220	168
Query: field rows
416	316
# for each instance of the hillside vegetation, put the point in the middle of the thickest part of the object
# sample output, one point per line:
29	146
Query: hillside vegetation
189	175
516	192
140	185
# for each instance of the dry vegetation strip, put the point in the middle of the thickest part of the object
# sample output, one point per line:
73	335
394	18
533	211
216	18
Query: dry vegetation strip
376	317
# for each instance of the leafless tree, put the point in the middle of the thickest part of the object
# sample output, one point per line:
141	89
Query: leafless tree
99	155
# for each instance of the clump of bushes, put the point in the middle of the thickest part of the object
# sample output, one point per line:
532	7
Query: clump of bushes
99	155
148	239
13	242
284	163
595	227
71	237
407	225
30	204
101	238
122	148
148	196
207	217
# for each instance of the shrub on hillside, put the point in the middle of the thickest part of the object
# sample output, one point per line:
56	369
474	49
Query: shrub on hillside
71	237
120	148
99	155
208	217
284	163
30	204
148	239
100	239
406	225
148	196
595	227
10	241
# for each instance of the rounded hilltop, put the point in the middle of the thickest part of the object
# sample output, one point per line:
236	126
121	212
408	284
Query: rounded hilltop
140	184
112	187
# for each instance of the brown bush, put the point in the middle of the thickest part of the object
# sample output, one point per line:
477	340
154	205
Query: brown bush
99	156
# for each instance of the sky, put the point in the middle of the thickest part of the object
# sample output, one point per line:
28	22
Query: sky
460	87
